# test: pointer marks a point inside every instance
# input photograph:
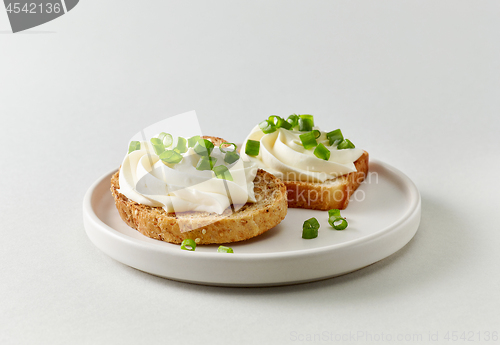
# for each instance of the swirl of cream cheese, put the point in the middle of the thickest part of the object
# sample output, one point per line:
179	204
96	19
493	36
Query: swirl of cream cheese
282	154
147	180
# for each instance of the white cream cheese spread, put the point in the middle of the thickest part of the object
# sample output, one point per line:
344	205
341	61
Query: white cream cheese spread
283	155
146	179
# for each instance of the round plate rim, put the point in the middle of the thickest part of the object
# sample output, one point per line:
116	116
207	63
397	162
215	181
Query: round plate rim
160	248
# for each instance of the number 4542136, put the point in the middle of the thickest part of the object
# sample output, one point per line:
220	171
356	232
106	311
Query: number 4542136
34	8
471	336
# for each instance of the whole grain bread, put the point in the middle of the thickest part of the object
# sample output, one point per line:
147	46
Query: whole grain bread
331	194
251	220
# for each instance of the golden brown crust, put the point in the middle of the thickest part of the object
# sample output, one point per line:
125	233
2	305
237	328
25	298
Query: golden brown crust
250	220
329	194
215	140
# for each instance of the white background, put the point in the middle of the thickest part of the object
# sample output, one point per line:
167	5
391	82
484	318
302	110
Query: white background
415	83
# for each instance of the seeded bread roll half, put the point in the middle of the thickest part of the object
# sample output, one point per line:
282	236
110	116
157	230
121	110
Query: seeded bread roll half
331	194
251	220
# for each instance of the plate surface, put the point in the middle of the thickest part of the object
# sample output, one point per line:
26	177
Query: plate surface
383	216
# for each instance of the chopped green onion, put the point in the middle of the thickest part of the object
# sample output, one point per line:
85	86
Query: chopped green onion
193	140
206	163
171	157
157	145
224	151
334	222
334	213
345	144
166	139
293	120
335	137
252	147
306	123
188	244
156	141
267	127
285	124
231	157
222	172
317	133
181	146
134	146
204	147
310	228
224	249
276	120
334	218
308	140
308	117
322	152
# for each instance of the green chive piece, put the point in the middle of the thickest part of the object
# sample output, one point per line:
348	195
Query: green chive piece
157	145
293	120
224	249
206	163
222	172
334	213
338	223
310	228
308	140
306	123
225	150
317	133
193	140
276	120
156	141
345	144
322	152
231	157
252	147
335	137
267	127
181	146
308	117
166	139
170	157
280	122
286	125
134	146
335	220
204	147
188	244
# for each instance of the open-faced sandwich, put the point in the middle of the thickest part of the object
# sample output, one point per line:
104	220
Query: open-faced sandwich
321	170
198	189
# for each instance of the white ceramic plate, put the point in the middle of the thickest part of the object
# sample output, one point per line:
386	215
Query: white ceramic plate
383	216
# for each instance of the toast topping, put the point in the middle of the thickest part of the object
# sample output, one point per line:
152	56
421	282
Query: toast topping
178	178
302	152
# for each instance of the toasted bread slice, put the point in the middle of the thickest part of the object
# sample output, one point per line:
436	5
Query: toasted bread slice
250	220
331	194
